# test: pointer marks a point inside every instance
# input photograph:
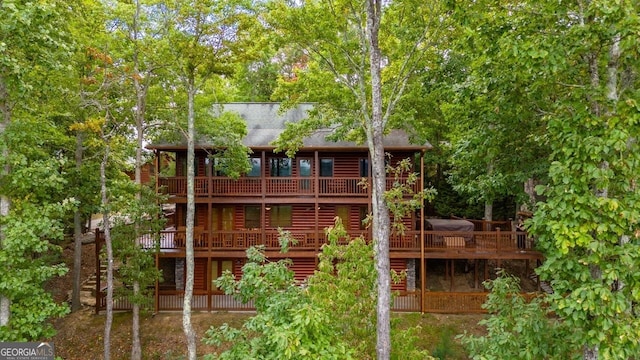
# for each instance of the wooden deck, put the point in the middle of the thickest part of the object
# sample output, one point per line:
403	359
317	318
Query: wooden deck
435	244
473	245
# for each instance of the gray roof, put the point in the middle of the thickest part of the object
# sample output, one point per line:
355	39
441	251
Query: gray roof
265	122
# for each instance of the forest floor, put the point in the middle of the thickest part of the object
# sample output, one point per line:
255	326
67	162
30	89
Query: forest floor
80	334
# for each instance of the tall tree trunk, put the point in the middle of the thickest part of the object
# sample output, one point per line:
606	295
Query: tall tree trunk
381	220
5	302
188	290
136	347
77	235
598	109
488	203
488	211
106	223
530	190
5	201
592	352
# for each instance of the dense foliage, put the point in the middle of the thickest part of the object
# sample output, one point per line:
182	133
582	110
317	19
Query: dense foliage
577	64
518	328
331	316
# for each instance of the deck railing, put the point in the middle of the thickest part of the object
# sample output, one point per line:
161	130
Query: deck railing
475	241
272	186
406	301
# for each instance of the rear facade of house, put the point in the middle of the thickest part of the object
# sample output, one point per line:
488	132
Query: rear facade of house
301	195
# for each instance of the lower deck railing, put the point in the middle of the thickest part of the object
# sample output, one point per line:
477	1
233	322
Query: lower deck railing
312	240
407	301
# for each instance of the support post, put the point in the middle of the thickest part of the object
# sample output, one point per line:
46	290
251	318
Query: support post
453	262
423	261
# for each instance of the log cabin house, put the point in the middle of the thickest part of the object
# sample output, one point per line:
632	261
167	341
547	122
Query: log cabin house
303	195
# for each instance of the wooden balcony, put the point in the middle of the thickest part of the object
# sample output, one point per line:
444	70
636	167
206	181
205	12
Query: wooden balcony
437	244
271	186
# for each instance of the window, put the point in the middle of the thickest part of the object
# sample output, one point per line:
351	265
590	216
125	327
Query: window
364	167
280	166
218	267
256	167
222	218
304	166
305	170
280	216
326	167
252	217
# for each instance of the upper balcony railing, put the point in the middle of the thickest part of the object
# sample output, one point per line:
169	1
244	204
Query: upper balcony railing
273	186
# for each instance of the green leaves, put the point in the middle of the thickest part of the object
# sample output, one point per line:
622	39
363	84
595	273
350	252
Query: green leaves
331	316
518	328
29	259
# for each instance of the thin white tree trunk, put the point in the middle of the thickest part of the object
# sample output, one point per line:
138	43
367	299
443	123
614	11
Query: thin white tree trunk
488	203
5	302
188	290
109	249
381	220
136	347
488	211
77	235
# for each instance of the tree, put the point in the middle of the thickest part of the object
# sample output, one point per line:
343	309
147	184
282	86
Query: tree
138	226
496	131
517	328
331	316
587	227
582	59
71	109
33	38
138	47
34	227
207	38
346	44
108	127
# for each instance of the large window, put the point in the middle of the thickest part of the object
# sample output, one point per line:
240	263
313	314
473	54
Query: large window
326	167
280	166
256	167
280	216
252	217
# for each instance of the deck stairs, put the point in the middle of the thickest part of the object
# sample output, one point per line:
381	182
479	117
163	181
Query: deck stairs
88	288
